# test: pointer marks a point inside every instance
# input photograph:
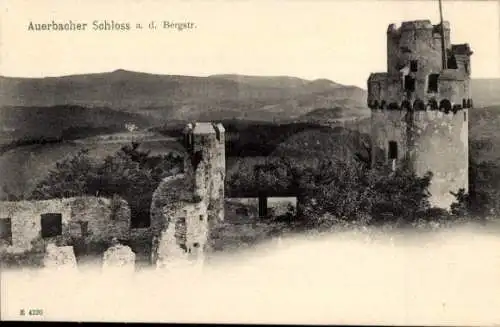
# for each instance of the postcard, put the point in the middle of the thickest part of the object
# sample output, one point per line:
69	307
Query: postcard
250	162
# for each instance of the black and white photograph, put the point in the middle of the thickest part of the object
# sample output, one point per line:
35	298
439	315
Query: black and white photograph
253	162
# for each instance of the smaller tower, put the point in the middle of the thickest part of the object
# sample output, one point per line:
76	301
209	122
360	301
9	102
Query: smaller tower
205	164
185	207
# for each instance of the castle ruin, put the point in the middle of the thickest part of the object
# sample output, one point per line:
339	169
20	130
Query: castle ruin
419	107
185	206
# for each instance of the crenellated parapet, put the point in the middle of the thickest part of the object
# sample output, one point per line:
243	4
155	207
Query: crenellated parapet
444	105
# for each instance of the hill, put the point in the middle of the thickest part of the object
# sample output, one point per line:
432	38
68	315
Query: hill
62	121
167	97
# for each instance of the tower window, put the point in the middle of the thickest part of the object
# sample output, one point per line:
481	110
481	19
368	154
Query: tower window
433	83
180	232
465	116
452	62
393	150
51	224
6	230
414	65
409	84
84	228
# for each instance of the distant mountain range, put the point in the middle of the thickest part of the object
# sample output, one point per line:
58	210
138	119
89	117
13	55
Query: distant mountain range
78	105
172	97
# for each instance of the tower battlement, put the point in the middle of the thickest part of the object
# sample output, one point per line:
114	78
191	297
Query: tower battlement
423	24
416	79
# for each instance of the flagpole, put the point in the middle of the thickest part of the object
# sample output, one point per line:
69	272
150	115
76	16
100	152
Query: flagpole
443	45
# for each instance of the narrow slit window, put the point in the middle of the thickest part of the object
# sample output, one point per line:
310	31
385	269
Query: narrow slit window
393	150
51	224
409	84
465	116
180	232
6	230
433	83
414	66
84	227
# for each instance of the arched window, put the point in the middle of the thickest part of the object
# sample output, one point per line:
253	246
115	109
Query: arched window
445	105
419	105
406	105
433	104
393	106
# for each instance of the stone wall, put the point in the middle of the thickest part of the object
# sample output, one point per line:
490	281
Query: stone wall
441	146
104	218
432	141
195	197
186	236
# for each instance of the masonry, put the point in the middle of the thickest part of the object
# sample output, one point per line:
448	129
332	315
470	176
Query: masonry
186	206
61	220
420	106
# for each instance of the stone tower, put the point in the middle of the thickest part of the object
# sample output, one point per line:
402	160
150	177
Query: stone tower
205	165
419	109
185	207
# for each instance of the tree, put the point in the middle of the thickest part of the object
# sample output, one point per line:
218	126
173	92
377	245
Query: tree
129	173
351	192
71	177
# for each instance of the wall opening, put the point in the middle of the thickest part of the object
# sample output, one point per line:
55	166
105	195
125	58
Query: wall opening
432	86
196	158
465	116
180	232
452	62
414	66
51	224
445	105
393	150
409	84
217	133
419	105
6	230
84	228
262	205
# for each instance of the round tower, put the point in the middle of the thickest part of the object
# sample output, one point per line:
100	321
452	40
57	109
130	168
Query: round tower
420	108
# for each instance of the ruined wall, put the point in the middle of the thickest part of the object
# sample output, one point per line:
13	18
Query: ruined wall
206	164
185	238
196	197
104	219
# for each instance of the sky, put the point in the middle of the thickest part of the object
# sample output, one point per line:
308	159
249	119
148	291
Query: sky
339	40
